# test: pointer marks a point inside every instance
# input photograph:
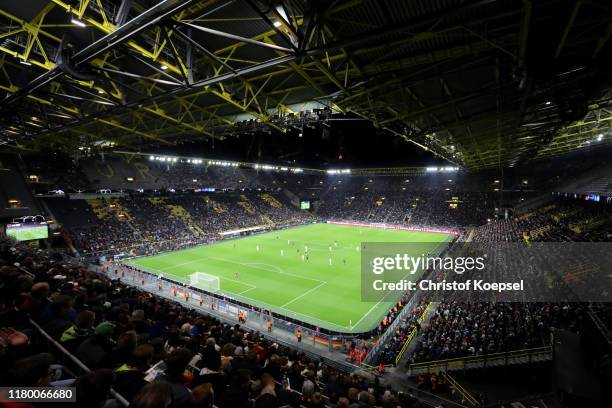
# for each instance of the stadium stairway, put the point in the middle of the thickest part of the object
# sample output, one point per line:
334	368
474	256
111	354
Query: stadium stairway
217	207
266	220
104	209
535	233
271	200
590	224
246	204
179	212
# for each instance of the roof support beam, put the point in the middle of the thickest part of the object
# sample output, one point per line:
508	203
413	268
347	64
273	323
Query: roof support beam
160	11
235	37
568	27
123	12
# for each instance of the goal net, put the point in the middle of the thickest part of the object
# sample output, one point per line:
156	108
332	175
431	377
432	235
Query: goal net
204	281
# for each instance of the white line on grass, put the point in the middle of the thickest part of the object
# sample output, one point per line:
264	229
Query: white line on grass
246	290
366	314
243	283
277	268
304	294
264	269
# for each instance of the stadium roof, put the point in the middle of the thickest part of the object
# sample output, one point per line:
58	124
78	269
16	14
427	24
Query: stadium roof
479	83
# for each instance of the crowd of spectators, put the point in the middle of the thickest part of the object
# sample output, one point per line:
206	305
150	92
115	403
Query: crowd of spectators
469	329
397	205
153	352
562	221
137	224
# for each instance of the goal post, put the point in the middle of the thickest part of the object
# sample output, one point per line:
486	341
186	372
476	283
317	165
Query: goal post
205	281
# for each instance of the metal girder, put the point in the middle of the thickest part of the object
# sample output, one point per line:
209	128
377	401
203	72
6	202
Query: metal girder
115	35
568	27
134	131
34	30
235	37
122	14
367	73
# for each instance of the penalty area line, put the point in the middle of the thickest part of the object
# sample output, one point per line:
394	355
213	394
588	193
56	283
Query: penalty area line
304	294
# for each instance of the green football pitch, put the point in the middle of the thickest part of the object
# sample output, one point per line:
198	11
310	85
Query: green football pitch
267	270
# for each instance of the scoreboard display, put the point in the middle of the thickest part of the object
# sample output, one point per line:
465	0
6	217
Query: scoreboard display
27	231
305	205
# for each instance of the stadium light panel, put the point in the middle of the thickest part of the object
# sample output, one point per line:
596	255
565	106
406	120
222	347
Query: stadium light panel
277	24
78	22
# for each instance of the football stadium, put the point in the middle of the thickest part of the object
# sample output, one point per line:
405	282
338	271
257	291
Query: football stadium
306	203
273	270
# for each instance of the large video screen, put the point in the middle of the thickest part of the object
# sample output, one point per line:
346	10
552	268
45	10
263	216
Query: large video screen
305	205
27	232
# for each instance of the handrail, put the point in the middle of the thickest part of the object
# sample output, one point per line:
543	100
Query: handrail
483	357
413	333
75	360
462	391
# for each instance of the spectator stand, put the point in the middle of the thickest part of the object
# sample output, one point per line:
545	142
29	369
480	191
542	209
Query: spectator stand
315	344
530	355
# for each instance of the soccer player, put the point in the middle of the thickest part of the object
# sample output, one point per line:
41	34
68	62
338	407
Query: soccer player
257	248
303	257
305	248
330	261
236	275
330	248
344	262
282	252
